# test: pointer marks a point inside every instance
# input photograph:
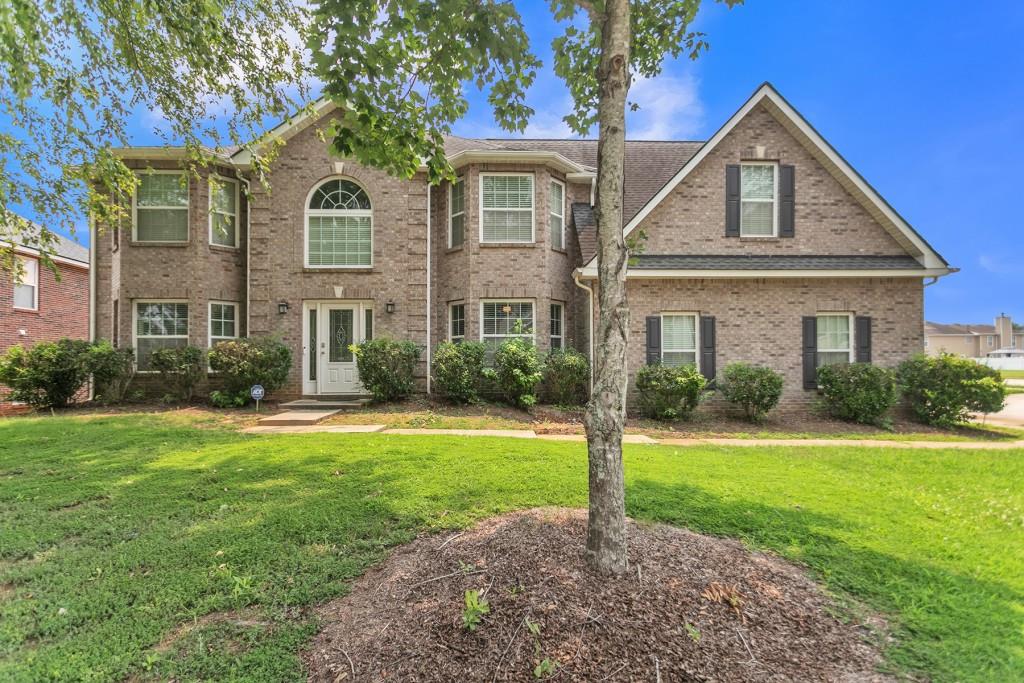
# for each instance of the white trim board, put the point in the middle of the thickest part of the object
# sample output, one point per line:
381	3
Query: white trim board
797	125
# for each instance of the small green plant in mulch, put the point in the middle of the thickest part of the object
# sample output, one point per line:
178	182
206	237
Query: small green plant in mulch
476	608
545	667
692	632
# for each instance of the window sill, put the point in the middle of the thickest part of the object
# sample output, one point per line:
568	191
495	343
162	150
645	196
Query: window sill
452	250
339	269
34	311
225	248
508	245
560	250
760	238
172	245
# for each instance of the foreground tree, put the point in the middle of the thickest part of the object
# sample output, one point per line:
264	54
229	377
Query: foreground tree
73	73
397	69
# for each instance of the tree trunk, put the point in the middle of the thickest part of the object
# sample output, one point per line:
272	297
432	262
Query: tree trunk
606	412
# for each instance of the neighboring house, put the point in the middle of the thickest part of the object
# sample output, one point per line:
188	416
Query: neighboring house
1004	339
34	305
763	245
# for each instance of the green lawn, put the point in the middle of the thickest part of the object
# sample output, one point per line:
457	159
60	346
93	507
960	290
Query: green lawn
116	530
1012	374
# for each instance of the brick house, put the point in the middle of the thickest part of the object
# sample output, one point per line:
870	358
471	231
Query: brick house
762	244
35	306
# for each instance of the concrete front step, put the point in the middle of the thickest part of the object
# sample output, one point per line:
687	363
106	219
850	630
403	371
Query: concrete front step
296	418
326	403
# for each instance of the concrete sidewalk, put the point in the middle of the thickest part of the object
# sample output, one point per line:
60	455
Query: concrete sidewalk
640	438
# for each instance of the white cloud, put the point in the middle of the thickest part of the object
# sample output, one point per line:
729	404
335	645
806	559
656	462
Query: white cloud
998	265
670	109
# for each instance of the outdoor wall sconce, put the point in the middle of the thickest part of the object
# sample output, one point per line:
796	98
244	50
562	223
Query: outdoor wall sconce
282	307
390	307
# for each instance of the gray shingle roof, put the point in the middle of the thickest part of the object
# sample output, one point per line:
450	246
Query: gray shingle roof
63	246
586	229
757	262
958	328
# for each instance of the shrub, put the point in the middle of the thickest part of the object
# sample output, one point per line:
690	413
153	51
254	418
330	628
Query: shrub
48	375
667	393
457	370
754	388
180	369
566	377
858	392
241	363
386	367
944	390
112	371
517	371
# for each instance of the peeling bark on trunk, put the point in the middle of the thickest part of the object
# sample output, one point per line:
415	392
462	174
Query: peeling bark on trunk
606	413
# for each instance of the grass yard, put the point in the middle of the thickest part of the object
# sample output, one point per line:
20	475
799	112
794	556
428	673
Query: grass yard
1012	374
118	535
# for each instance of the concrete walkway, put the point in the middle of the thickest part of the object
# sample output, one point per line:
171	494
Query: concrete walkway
639	438
1012	415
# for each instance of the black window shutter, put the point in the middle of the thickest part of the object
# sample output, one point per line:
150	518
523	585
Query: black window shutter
862	337
653	339
810	349
707	347
787	200
732	200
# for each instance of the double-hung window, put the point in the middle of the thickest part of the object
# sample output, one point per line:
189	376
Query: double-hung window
26	284
223	321
678	339
557	219
161	207
505	320
506	207
557	321
159	325
758	200
223	212
835	339
339	226
456	213
457	322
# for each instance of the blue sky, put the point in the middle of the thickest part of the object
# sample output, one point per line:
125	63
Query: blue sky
926	100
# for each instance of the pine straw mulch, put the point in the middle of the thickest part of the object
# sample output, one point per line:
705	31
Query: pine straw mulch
691	608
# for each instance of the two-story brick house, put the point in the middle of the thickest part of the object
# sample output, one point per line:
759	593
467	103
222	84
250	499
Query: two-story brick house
762	244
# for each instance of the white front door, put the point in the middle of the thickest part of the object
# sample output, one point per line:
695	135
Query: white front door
339	326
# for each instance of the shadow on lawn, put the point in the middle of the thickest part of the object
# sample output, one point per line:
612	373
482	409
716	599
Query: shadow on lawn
195	522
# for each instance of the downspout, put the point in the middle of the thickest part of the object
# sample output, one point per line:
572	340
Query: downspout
590	322
428	287
248	246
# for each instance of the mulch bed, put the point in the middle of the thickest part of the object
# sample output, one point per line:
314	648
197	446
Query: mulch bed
691	608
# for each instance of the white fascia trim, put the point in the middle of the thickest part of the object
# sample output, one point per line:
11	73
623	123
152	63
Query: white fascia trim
515	156
163	153
580	177
928	257
35	253
286	130
591	272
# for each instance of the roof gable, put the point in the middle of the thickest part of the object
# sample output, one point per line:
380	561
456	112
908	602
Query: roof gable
825	154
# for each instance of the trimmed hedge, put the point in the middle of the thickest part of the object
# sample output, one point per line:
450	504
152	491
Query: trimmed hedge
47	375
944	390
858	392
669	393
755	389
241	363
180	370
386	367
517	371
566	378
112	370
457	370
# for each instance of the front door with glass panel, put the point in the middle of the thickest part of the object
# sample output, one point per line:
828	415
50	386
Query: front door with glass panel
339	328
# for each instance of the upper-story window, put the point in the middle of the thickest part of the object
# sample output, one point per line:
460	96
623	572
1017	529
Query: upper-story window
506	207
339	226
161	207
758	200
557	219
26	284
456	213
223	212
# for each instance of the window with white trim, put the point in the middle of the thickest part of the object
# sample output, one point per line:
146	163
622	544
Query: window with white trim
557	320
991	341
159	325
835	339
223	321
457	322
506	207
339	226
456	213
758	195
26	284
505	320
557	219
678	339
223	212
161	207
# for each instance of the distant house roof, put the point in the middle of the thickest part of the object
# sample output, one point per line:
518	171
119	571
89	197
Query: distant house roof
957	328
63	247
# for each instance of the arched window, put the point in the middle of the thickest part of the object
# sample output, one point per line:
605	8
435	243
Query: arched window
339	226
